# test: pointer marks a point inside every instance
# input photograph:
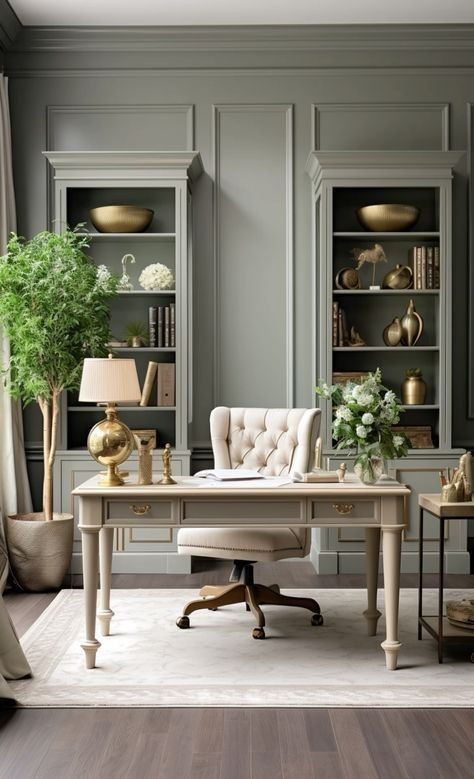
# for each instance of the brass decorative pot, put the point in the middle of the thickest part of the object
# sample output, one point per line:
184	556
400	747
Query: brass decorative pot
413	391
120	219
412	326
400	277
387	217
393	333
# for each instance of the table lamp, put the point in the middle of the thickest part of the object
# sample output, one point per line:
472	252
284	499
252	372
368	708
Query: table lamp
110	381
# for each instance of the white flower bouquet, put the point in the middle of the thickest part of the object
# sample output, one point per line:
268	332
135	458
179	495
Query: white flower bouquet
156	276
364	413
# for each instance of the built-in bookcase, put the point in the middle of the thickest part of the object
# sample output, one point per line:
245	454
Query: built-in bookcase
342	183
161	181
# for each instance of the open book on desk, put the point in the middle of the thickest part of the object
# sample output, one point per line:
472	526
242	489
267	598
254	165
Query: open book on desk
229	474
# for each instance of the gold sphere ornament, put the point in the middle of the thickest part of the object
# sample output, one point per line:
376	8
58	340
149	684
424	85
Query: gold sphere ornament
110	442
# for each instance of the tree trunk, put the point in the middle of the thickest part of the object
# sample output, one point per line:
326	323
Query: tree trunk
48	471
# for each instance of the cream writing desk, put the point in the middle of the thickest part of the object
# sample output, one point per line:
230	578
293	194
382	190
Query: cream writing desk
192	503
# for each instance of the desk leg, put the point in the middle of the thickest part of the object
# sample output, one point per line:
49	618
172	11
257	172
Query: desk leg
105	613
372	551
90	564
391	546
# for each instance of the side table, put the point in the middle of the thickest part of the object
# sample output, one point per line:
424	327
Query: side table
438	625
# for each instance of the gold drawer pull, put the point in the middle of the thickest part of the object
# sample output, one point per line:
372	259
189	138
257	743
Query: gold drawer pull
343	508
140	510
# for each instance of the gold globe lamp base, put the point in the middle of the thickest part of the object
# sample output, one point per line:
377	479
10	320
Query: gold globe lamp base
110	442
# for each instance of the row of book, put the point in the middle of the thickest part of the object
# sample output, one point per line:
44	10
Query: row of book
163	375
162	326
424	261
340	333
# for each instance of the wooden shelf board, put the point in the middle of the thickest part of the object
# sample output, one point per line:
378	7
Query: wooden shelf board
128	236
449	631
124	292
423	407
385	349
374	292
395	235
143	348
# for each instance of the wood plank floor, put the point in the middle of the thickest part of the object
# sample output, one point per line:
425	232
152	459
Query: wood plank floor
233	743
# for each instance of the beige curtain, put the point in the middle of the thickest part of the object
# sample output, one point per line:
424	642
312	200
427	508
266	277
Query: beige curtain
14	487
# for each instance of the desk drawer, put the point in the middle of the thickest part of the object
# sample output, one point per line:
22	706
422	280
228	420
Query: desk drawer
206	512
140	511
346	510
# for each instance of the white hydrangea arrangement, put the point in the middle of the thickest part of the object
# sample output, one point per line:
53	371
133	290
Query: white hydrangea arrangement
364	413
156	276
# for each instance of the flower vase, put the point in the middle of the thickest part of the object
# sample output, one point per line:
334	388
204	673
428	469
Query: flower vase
369	469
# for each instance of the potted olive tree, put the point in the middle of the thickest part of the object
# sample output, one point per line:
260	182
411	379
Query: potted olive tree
54	310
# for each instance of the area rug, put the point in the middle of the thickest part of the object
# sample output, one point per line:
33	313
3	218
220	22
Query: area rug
147	661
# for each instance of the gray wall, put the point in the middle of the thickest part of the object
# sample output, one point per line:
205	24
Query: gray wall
254	102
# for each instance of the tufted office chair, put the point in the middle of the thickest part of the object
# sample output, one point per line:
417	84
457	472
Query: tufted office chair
274	441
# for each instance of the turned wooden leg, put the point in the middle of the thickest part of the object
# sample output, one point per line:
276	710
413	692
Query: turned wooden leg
391	545
372	549
90	565
105	613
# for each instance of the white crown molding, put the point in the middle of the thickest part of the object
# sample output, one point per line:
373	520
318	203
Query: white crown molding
456	37
142	164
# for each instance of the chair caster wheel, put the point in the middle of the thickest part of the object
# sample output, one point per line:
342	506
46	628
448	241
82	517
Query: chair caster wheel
182	622
472	658
317	619
258	633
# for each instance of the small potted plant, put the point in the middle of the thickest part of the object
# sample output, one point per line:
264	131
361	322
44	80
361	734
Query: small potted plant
413	388
364	413
53	308
136	334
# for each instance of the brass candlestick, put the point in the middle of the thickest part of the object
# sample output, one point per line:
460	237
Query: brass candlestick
144	441
166	457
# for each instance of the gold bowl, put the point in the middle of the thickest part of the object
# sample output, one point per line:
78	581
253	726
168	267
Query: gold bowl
120	219
388	217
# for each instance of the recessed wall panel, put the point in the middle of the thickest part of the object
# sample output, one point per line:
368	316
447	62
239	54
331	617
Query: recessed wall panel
253	254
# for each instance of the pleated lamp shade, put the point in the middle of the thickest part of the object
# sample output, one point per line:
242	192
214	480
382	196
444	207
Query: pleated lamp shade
107	380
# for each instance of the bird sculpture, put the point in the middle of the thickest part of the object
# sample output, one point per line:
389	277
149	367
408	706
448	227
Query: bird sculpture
373	256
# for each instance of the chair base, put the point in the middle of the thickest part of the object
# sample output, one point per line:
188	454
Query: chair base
254	596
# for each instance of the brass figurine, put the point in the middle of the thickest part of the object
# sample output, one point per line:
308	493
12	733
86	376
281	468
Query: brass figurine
341	472
355	338
457	487
374	256
166	457
392	334
347	278
400	277
412	326
145	442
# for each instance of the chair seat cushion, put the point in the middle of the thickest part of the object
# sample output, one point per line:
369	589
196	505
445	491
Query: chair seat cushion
240	544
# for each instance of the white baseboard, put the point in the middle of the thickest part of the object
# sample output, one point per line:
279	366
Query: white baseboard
354	562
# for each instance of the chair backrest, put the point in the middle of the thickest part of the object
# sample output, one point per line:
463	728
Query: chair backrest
274	441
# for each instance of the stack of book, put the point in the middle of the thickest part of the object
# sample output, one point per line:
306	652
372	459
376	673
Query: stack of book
162	326
424	261
165	373
340	334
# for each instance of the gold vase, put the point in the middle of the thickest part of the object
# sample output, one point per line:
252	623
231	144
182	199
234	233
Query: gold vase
413	391
393	333
412	326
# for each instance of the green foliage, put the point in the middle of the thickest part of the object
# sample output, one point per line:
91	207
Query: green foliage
413	373
137	329
364	413
54	309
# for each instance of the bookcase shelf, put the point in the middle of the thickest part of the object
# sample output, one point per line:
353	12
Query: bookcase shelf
129	236
390	292
392	349
148	292
391	236
141	349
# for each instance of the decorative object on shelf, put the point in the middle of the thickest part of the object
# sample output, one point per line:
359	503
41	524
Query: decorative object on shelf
341	472
363	417
110	381
461	613
419	436
156	276
370	470
145	441
448	493
124	282
388	217
120	219
137	334
412	326
426	267
347	278
166	457
392	334
373	256
341	377
43	281
355	338
465	466
413	388
400	277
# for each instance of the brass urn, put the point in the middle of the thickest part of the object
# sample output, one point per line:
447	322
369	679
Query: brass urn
412	326
413	388
392	334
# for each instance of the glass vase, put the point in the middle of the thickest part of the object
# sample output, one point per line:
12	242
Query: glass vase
369	469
